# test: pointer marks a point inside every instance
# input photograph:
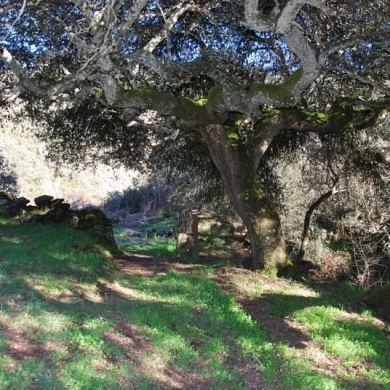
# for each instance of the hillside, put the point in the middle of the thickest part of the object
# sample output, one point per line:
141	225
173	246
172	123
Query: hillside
71	316
34	174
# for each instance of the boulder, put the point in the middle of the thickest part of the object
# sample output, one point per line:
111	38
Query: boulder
43	201
182	240
22	202
56	202
184	244
96	222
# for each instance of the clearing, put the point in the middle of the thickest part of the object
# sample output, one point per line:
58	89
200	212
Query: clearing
74	317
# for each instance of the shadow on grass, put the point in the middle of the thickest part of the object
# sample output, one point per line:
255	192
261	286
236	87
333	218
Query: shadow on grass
353	338
168	331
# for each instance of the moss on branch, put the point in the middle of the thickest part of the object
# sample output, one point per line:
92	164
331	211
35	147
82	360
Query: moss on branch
347	113
279	92
166	103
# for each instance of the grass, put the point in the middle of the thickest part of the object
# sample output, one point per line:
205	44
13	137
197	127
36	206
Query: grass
357	344
70	320
151	246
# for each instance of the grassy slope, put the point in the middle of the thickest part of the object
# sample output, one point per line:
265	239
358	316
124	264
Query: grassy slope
66	324
333	345
69	320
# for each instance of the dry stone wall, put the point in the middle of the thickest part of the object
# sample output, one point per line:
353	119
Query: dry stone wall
217	237
50	210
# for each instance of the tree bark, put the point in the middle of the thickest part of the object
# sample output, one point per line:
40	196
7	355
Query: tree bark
306	225
236	167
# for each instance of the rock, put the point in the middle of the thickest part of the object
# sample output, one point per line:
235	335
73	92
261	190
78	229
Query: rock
43	201
222	230
133	233
22	202
218	242
240	229
184	244
62	206
56	202
182	239
95	222
31	208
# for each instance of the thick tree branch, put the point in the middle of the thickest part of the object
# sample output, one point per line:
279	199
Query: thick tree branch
51	93
283	23
309	213
347	114
169	23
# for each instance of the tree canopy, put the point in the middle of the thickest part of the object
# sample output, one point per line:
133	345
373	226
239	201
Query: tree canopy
238	72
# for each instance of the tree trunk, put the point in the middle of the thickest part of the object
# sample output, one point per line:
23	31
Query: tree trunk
236	167
306	225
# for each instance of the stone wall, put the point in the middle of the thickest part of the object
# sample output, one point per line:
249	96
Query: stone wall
217	237
50	210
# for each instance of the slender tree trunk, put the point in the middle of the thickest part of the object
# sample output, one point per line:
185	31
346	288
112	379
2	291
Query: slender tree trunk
306	225
257	212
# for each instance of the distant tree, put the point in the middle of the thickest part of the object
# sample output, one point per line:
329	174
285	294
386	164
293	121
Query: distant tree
240	73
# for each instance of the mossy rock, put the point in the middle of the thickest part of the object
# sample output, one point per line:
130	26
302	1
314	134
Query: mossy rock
379	301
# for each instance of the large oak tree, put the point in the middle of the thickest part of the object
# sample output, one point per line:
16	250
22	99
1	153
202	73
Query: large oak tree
237	72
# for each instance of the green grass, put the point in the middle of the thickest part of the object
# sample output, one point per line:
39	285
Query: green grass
151	246
342	332
67	320
70	320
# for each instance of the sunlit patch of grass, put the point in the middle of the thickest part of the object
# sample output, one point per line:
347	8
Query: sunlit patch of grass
79	329
152	246
351	337
353	341
199	323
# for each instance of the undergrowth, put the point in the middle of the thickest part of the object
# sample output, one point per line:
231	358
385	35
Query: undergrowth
156	246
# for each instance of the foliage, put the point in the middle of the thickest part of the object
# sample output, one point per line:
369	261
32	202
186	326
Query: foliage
114	79
8	180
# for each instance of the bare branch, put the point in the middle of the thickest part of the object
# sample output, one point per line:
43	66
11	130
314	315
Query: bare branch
169	23
14	22
364	80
